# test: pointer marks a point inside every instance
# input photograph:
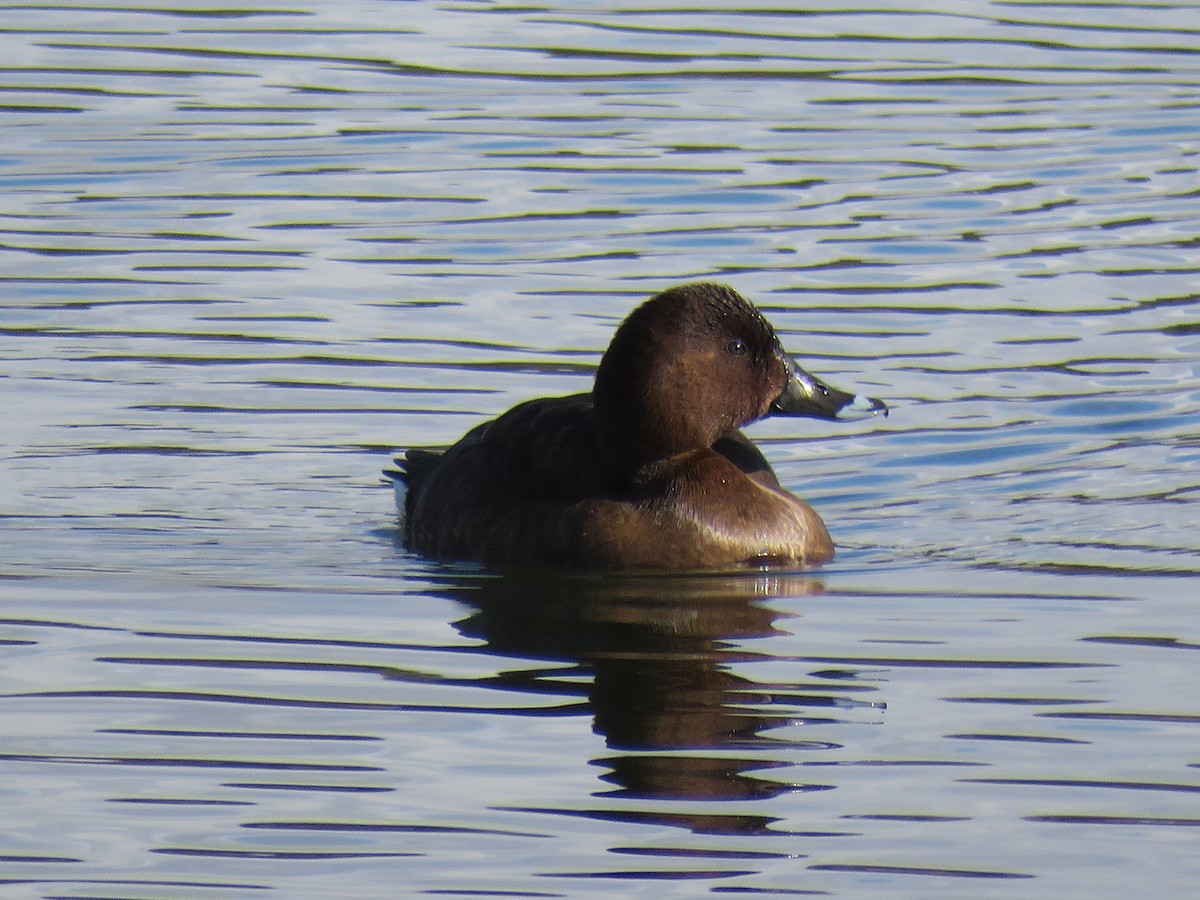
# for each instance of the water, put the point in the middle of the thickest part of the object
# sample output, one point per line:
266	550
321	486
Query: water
247	253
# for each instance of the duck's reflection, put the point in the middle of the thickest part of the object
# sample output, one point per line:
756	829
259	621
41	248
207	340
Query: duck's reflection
655	657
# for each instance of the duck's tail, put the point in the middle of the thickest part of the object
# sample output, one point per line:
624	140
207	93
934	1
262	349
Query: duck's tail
410	470
413	466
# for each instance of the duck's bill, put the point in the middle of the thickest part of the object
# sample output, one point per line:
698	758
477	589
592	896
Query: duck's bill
807	395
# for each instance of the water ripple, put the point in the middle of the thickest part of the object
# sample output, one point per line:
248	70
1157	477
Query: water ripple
246	252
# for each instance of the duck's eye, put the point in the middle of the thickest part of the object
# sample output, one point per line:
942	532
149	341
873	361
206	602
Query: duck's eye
736	348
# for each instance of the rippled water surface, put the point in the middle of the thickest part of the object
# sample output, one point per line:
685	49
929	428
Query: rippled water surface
246	253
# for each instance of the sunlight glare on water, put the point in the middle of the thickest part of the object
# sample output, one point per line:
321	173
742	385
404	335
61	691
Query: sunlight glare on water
246	254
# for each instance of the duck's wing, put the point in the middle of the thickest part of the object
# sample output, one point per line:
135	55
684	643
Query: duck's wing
741	451
510	489
547	450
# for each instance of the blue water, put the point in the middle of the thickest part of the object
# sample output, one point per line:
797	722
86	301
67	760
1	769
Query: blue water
245	255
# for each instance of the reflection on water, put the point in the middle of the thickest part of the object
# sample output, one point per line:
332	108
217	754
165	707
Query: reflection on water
743	727
244	254
654	656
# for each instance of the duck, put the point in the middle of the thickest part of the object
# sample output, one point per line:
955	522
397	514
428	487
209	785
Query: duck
649	470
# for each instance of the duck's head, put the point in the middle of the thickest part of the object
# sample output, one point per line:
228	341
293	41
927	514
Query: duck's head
693	364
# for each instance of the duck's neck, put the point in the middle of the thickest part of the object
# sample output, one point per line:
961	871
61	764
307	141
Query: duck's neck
639	448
